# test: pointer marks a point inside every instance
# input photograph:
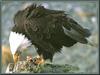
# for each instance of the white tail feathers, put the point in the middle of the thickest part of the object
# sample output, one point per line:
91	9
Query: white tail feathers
91	43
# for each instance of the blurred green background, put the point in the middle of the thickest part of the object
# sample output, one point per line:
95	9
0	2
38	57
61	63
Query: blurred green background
84	12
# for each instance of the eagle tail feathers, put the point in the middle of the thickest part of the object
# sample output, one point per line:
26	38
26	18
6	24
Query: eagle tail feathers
87	32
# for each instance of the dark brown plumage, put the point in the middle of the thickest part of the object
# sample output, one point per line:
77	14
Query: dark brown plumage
49	30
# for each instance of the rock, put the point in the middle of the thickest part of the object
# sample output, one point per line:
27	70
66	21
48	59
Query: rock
30	67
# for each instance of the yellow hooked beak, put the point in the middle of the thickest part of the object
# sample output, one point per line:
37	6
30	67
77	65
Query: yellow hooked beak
16	56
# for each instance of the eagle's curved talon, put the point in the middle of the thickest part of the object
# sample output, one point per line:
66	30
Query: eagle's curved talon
38	60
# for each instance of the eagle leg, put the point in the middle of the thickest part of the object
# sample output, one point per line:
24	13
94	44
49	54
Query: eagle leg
39	60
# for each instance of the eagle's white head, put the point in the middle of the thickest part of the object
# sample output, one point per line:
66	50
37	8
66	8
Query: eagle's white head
18	42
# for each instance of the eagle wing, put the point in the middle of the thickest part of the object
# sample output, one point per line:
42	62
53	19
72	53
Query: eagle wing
42	24
54	21
76	31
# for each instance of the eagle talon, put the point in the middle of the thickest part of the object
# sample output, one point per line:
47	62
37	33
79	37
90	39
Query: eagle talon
38	60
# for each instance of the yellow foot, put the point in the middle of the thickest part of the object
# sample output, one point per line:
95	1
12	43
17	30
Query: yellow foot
39	60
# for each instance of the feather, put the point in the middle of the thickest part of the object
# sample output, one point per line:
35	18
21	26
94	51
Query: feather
74	35
18	42
73	24
47	29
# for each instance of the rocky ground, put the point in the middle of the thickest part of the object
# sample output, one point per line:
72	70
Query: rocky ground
29	67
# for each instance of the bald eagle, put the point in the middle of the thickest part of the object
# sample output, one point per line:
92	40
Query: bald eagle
47	29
